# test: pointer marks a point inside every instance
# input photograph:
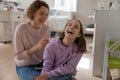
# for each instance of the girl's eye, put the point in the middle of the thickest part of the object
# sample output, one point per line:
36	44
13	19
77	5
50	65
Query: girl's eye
69	24
76	27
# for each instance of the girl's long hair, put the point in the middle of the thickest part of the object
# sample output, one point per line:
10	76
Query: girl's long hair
79	41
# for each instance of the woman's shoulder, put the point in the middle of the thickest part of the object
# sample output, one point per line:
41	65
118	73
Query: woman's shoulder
22	26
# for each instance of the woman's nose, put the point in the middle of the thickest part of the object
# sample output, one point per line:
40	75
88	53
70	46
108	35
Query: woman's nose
44	16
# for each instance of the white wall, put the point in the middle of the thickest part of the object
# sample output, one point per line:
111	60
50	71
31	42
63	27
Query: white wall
51	3
26	3
84	10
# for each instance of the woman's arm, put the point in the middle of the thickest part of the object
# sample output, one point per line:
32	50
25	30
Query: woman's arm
39	46
21	52
42	43
19	47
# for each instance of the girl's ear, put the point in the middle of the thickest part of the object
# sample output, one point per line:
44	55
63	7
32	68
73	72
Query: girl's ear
79	35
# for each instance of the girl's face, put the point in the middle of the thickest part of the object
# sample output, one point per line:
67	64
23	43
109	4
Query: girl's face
41	15
72	29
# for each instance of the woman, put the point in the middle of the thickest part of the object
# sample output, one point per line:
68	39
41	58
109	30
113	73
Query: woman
61	56
30	40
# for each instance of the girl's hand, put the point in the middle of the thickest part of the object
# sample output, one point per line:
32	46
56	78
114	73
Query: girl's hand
42	77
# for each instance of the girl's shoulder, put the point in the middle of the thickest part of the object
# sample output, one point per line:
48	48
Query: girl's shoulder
54	42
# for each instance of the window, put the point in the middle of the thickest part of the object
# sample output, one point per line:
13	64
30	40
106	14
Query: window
66	5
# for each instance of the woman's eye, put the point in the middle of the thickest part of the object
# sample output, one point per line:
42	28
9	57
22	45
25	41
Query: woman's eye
69	24
41	13
46	14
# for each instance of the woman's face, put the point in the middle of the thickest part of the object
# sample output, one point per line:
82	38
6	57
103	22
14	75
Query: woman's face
72	29
41	15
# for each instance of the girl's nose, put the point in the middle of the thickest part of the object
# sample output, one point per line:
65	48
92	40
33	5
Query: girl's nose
72	26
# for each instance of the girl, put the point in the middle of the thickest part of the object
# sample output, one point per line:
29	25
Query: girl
30	40
61	56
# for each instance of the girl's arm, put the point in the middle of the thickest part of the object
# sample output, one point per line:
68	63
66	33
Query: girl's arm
70	66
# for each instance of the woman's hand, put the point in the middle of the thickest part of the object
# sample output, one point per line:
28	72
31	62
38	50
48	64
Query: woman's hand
73	78
42	44
42	77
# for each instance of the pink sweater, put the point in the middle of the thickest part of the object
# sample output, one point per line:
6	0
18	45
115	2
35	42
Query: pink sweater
25	38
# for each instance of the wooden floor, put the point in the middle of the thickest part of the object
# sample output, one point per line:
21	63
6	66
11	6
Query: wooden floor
7	64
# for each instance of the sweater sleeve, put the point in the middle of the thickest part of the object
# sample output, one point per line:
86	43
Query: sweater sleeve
48	57
19	49
48	33
68	68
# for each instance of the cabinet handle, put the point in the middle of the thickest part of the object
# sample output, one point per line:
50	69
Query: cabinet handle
18	17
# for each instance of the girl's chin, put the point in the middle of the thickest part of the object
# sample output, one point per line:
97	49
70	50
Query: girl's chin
69	36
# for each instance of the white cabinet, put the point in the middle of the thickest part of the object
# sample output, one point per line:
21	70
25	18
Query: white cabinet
18	17
5	27
5	32
4	17
15	19
8	22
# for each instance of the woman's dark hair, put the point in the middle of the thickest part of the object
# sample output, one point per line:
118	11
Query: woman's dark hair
33	8
79	41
